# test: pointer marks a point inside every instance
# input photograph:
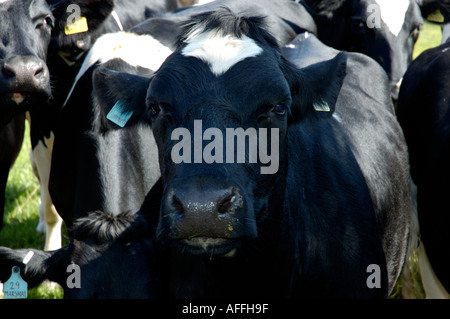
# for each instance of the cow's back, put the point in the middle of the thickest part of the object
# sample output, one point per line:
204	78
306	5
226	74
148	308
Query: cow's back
423	112
381	152
364	114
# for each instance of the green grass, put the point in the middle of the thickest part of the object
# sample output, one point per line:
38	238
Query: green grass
22	200
22	205
429	37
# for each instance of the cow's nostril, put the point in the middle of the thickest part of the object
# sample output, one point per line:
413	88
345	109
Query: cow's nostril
177	205
8	72
39	72
226	205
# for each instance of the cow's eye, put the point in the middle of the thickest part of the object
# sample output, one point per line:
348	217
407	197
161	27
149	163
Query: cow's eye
280	109
49	21
154	108
415	32
46	21
358	26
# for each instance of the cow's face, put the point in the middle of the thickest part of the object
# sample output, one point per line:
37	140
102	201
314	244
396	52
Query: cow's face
387	31
25	28
220	85
219	110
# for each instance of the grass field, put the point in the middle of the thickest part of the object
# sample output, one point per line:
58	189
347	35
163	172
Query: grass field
22	196
429	37
22	214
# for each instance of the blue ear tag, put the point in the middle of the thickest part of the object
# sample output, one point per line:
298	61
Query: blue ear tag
119	114
15	287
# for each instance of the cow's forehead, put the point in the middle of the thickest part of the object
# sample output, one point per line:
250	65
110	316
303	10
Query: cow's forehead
2	1
220	51
393	13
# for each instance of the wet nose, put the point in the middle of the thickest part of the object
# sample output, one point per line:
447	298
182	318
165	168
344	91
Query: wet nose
207	207
25	74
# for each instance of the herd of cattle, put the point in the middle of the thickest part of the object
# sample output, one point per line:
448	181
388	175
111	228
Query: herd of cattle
105	84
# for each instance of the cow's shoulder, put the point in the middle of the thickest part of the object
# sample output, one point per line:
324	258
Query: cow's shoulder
429	63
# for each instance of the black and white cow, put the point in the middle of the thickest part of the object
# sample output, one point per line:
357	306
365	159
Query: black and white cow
386	30
66	53
423	112
327	207
109	256
89	151
24	77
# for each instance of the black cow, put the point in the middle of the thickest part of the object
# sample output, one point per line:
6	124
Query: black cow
109	256
24	77
384	30
423	112
314	218
86	142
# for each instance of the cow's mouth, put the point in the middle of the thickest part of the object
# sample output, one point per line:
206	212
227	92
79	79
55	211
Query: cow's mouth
21	98
20	101
18	97
209	246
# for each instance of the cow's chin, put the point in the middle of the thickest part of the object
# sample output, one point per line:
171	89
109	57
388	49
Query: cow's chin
20	102
209	246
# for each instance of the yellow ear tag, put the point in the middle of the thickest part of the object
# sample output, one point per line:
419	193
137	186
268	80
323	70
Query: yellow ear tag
78	26
436	16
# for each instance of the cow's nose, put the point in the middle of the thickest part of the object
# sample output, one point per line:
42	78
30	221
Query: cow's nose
25	74
208	207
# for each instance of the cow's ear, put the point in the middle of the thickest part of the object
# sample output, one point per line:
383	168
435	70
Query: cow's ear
437	11
120	97
76	21
315	88
95	12
35	265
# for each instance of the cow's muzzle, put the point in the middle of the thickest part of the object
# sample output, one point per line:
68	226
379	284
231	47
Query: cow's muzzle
24	75
204	213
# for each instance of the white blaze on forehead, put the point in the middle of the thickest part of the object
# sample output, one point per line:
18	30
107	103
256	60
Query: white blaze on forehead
393	13
1	1
220	52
